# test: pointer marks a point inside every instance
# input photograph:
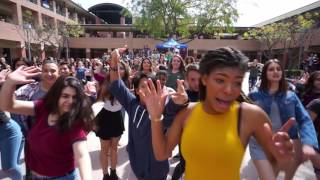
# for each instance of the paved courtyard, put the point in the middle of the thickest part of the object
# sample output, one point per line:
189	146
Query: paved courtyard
248	172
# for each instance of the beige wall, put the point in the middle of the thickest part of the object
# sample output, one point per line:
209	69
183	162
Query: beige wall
15	34
40	10
139	43
10	32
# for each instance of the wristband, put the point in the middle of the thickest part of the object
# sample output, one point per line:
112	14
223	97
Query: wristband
156	119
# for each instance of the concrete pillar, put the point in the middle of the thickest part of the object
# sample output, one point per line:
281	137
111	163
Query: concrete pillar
54	7
19	14
122	20
22	50
97	20
55	24
76	17
42	52
88	53
39	16
66	12
285	59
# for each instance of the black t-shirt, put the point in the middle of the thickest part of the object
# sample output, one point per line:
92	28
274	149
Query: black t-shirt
254	71
193	96
314	106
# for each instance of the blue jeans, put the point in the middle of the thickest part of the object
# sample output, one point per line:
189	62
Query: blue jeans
69	176
10	148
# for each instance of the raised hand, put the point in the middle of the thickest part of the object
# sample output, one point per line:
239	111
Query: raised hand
3	74
181	96
115	55
23	75
282	143
153	98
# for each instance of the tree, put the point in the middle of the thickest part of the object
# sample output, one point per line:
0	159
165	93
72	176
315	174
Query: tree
48	36
71	29
301	29
163	18
292	33
270	35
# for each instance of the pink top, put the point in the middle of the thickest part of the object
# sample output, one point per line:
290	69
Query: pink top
48	151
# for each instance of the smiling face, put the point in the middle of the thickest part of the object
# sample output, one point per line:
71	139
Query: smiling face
50	73
66	100
223	87
193	78
176	63
146	65
64	70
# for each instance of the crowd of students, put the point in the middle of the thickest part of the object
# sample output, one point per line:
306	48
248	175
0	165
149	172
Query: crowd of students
169	101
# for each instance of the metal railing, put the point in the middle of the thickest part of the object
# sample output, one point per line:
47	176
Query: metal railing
33	1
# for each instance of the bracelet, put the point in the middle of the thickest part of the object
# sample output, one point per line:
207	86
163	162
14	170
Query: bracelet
156	119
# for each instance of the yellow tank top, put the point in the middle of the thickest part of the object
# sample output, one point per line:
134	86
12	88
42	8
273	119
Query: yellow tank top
211	145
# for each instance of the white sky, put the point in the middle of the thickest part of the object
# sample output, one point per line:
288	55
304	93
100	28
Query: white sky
251	11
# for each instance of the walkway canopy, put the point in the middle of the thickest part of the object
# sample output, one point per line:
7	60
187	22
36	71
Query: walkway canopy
171	43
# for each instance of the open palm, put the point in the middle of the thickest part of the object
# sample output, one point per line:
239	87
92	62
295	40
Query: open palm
154	98
23	75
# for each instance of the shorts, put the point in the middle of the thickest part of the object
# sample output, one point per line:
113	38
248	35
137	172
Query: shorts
256	151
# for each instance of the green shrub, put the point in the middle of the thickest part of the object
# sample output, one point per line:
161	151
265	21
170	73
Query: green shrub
293	73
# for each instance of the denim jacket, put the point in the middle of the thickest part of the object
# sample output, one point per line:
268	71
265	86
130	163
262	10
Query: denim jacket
289	106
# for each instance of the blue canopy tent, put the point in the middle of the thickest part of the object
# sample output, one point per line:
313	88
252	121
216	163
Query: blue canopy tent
171	43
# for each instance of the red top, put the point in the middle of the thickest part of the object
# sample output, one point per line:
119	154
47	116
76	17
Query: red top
49	152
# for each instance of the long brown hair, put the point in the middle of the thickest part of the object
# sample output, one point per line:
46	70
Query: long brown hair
104	93
182	65
264	86
80	113
309	87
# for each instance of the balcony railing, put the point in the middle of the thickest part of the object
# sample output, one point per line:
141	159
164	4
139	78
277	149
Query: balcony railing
61	11
46	4
33	1
7	19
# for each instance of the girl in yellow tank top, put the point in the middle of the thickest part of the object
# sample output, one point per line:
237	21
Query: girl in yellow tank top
210	140
221	149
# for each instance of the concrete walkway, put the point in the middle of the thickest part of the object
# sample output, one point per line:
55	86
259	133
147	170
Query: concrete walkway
305	171
248	172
